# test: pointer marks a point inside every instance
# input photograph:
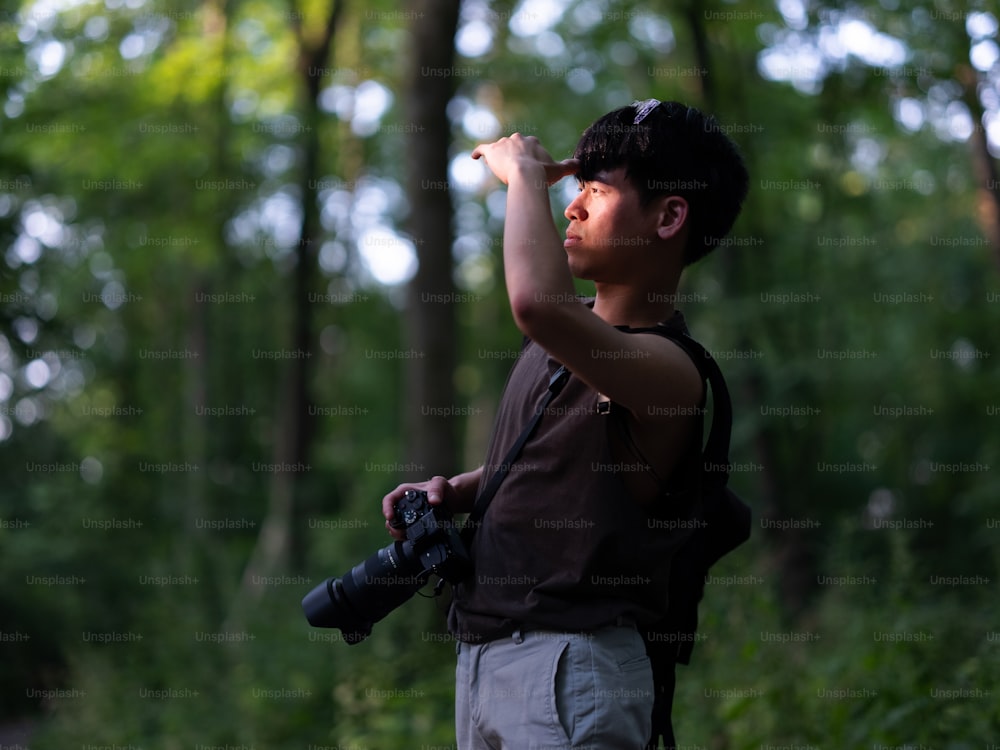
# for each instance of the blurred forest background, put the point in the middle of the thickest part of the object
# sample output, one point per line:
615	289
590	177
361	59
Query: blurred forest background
251	280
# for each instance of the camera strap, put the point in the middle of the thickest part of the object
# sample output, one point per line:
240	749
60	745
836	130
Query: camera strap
556	383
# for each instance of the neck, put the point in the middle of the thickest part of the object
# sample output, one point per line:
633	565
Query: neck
641	300
636	308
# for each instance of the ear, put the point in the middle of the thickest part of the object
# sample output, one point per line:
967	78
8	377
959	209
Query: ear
673	214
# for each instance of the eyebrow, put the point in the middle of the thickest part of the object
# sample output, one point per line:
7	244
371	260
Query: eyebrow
601	177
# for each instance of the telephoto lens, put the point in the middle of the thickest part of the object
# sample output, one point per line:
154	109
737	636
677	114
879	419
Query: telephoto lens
366	593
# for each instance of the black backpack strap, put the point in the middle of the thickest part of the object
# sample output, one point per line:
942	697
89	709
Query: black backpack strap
724	519
716	450
556	383
724	524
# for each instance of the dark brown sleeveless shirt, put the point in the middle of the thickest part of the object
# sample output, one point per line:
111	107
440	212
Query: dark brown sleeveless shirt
563	545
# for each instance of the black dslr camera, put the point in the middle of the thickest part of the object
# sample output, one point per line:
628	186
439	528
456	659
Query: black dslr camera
375	587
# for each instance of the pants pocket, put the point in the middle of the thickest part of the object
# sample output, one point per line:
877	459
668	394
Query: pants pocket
625	693
565	685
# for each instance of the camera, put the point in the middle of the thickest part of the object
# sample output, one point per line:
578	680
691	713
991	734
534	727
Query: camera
375	587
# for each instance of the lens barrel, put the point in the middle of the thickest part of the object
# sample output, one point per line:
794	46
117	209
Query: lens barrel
366	593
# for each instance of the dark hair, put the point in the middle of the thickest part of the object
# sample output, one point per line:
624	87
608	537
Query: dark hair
673	149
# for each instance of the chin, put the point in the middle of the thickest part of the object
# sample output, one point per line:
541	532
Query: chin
579	271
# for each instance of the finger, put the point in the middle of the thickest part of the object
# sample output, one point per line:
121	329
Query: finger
477	153
390	500
436	489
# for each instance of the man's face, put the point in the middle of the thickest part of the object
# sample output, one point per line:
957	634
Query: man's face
607	225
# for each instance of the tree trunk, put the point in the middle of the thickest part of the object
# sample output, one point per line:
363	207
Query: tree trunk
281	542
431	426
790	550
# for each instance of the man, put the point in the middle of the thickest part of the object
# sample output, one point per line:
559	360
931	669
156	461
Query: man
574	552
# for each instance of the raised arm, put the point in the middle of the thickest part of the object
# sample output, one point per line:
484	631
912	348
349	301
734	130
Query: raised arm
647	374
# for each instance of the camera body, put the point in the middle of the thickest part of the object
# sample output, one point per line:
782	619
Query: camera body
431	531
391	576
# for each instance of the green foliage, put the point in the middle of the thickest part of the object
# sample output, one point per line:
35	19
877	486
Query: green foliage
873	664
149	210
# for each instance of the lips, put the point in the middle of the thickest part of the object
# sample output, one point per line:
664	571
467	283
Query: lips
571	240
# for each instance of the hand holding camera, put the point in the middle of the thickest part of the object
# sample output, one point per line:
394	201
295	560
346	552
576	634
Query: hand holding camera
439	491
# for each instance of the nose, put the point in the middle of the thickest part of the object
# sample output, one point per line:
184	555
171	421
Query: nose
575	211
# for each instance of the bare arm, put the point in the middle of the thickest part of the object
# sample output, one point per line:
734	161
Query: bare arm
534	264
465	486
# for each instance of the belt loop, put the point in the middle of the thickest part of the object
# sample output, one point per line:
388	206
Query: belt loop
518	636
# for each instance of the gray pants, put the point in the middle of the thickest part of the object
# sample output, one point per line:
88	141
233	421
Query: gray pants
546	690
